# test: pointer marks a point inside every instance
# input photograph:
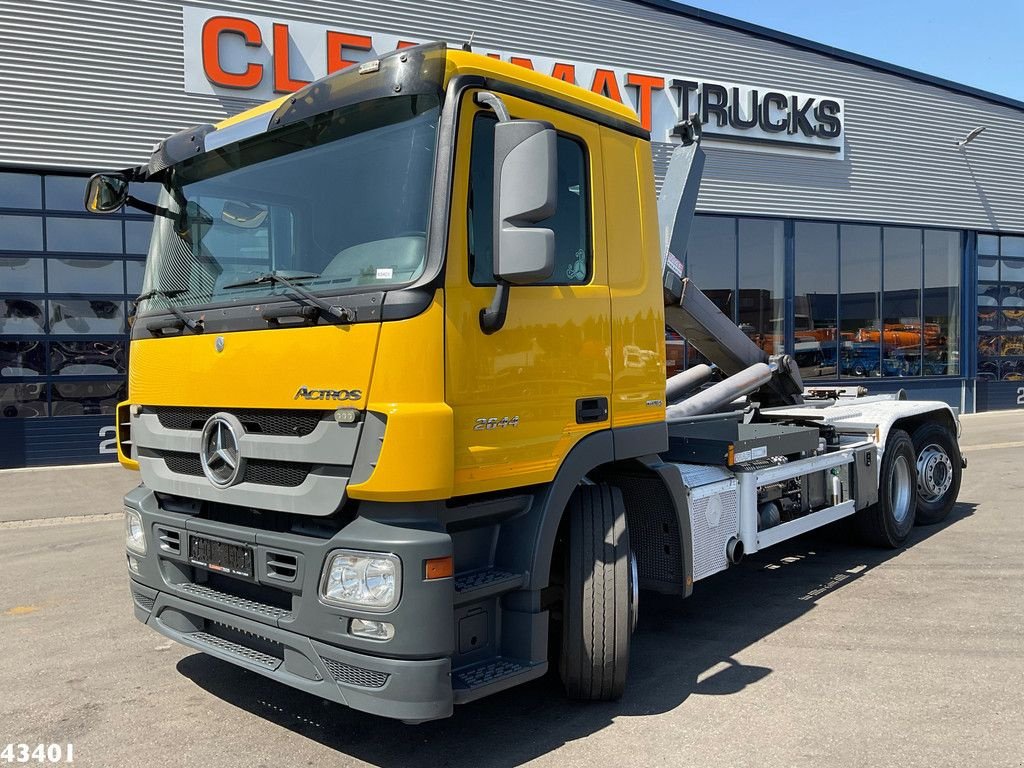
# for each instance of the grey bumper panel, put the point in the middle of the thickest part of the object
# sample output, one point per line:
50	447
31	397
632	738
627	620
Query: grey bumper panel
412	690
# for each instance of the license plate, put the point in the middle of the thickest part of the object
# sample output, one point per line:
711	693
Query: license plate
235	559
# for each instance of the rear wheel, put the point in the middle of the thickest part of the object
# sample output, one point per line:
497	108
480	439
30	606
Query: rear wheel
599	600
888	522
938	472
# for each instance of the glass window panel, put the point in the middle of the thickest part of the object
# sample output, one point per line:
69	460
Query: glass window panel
66	193
1012	246
23	401
87	398
135	271
21	233
988	269
21	190
711	260
87	358
85	275
988	245
83	235
569	222
22	317
1013	271
136	236
941	302
95	316
816	301
860	274
22	358
902	332
21	275
762	292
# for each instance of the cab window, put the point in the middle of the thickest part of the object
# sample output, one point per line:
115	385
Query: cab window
573	258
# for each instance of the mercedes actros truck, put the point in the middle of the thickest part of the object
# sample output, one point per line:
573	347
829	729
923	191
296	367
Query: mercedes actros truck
398	403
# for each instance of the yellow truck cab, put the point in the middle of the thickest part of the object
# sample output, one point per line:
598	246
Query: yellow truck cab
397	395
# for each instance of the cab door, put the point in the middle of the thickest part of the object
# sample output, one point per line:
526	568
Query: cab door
524	396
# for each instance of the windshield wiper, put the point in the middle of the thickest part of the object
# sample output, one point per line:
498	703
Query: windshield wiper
345	314
192	325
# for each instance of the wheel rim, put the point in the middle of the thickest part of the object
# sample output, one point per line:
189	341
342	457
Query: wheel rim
899	489
634	592
934	473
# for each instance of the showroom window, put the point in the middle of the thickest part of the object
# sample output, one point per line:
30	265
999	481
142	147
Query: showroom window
869	301
66	281
1000	308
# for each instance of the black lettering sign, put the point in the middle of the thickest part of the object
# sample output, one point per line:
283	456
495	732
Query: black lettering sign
779	101
714	100
798	117
826	113
686	87
736	119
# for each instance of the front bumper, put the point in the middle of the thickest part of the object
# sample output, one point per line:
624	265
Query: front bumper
278	626
413	690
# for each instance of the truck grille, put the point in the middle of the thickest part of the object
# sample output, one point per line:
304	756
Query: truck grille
346	673
283	474
268	422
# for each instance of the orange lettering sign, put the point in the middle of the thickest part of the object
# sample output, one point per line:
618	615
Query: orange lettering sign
337	42
606	84
646	84
215	73
283	82
566	72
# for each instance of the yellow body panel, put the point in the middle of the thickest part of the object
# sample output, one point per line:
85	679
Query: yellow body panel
415	463
553	349
256	369
634	274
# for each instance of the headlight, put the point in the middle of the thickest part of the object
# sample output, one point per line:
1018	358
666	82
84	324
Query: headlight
370	581
134	533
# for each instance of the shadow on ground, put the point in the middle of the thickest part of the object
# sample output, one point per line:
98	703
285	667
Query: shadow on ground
682	648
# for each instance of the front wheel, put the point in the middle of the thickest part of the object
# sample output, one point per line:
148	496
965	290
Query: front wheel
888	522
599	600
939	470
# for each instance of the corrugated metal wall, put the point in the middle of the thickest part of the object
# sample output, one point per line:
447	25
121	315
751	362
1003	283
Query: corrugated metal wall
94	85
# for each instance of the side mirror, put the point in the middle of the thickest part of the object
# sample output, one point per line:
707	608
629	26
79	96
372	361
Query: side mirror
525	193
106	193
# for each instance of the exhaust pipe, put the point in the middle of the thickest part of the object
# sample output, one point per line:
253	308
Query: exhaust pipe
734	550
743	383
686	381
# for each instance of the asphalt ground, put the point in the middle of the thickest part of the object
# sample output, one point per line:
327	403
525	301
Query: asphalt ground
818	652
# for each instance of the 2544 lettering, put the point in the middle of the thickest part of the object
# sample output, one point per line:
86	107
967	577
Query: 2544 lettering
496	423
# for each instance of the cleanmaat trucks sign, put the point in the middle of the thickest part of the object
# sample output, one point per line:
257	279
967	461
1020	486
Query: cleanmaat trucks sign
258	57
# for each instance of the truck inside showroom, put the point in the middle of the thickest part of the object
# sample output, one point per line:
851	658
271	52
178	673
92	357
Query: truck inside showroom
397	393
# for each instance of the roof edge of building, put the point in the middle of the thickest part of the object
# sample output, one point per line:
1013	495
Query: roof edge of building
828	50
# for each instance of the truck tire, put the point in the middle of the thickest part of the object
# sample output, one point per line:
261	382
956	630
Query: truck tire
939	471
888	522
597	620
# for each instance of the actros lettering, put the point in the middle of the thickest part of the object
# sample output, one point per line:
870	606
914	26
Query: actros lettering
328	394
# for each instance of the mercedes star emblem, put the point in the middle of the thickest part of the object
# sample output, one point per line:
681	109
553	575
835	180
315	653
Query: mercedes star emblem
219	453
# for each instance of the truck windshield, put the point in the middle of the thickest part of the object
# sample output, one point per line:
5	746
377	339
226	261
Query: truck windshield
337	203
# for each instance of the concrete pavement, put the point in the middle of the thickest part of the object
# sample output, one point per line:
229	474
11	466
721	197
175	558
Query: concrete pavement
817	652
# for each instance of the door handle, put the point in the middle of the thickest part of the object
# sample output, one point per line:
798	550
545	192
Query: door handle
591	409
